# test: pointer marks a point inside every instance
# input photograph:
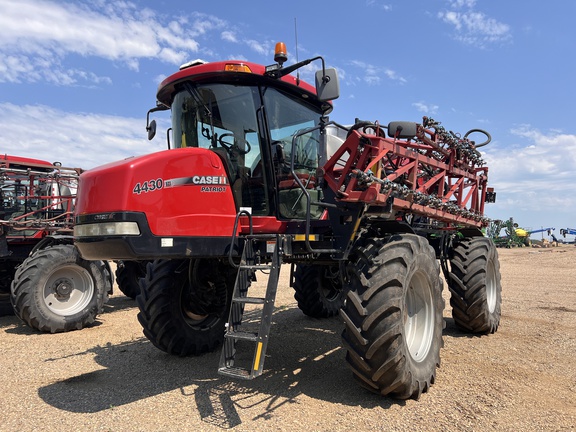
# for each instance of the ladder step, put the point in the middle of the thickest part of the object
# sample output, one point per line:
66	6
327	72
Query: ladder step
242	343
236	372
240	335
250	300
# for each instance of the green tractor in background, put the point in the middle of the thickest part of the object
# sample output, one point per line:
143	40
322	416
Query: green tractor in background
514	236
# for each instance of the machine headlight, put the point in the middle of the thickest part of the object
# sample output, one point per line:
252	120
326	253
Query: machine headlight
106	229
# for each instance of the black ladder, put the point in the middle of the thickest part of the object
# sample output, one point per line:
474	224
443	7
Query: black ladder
238	360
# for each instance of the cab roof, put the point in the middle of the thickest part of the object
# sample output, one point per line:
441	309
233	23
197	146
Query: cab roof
232	71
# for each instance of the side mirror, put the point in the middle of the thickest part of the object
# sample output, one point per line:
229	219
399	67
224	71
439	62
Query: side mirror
402	129
327	85
151	125
151	128
278	157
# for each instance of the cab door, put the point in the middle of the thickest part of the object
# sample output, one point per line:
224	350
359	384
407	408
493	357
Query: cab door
288	120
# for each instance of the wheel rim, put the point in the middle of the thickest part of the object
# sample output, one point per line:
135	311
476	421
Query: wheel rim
491	287
330	285
198	322
418	317
194	319
68	290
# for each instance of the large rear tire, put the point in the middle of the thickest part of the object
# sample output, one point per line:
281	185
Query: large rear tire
475	285
393	315
318	290
55	290
184	304
128	275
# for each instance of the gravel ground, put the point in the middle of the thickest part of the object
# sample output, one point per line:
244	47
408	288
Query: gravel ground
110	378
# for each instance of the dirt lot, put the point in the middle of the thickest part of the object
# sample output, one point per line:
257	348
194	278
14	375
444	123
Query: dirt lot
109	377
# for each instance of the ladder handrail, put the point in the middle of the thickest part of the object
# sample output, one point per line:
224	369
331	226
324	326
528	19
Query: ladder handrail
232	240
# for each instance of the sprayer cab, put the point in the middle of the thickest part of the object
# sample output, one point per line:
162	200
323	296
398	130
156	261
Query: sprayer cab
236	128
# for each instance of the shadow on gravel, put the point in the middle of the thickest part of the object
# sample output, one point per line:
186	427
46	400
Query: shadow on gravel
113	305
454	331
23	329
118	303
8	321
304	357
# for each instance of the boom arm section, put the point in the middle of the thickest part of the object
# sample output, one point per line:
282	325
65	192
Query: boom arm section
429	172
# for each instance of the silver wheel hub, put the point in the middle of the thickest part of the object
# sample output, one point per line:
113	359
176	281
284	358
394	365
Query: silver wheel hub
68	290
491	287
418	317
63	289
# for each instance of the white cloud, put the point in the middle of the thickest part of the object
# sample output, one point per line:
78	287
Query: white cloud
18	68
202	24
262	48
457	4
393	75
229	36
372	75
473	27
82	140
425	108
39	35
384	6
536	175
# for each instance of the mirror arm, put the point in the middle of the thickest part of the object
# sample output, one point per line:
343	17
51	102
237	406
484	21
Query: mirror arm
279	73
151	127
151	110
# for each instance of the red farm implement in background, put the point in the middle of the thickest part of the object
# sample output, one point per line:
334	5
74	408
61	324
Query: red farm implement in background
43	279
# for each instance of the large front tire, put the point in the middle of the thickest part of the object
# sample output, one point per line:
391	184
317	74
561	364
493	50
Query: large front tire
393	316
184	305
55	290
475	285
318	290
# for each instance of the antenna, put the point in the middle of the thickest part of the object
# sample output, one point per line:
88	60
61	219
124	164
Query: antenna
296	40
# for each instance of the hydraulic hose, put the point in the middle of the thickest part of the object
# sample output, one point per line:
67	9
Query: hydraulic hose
482	131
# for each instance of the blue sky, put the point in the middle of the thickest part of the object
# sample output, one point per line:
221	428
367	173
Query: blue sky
77	77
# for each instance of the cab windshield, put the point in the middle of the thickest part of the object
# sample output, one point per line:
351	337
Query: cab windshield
216	116
225	118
